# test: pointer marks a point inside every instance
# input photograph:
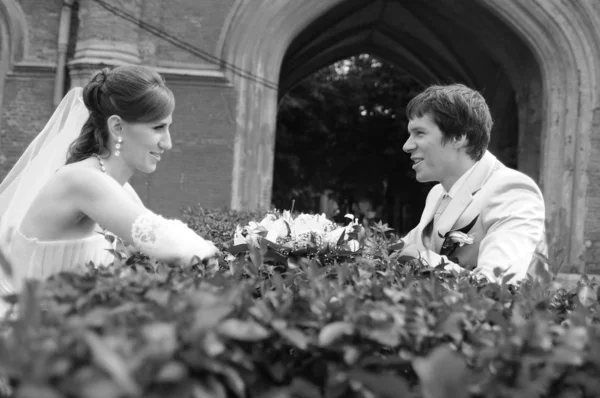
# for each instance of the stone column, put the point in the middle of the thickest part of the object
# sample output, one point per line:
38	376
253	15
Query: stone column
105	38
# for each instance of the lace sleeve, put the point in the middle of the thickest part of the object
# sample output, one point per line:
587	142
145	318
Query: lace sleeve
167	239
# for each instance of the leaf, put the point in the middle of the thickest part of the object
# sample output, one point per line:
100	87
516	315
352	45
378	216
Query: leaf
406	259
388	336
587	296
29	317
495	316
36	391
237	329
238	249
381	385
567	356
5	265
7	350
160	338
256	255
506	278
109	361
213	344
333	332
442	374
453	325
208	317
396	246
172	372
91	382
341	238
294	336
212	389
159	296
302	388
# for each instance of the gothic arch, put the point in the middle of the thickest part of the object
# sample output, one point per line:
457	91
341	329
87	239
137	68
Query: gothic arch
13	39
258	33
14	31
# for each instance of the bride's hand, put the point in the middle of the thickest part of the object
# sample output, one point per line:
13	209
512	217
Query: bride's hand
212	262
207	250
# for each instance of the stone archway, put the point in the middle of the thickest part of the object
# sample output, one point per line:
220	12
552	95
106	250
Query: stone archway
13	42
561	37
13	25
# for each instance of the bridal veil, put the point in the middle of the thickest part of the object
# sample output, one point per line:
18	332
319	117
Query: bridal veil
46	153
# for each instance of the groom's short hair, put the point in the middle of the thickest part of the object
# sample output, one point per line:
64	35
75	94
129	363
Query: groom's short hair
457	110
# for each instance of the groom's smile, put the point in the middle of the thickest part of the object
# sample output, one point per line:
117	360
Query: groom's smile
416	161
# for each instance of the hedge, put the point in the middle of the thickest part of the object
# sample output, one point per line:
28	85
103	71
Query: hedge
371	324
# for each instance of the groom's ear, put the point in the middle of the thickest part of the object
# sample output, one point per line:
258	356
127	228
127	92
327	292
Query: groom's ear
114	124
460	142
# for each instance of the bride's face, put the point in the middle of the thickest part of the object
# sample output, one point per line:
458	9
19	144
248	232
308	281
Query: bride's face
144	143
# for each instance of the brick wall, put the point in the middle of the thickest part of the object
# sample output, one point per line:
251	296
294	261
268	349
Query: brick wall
42	20
592	225
198	168
27	95
104	25
26	107
198	23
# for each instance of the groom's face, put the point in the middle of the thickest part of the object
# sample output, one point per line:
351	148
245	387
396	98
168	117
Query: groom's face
432	159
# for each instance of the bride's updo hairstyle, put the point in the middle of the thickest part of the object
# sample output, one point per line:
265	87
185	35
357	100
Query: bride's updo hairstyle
135	93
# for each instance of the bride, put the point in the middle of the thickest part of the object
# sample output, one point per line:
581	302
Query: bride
72	181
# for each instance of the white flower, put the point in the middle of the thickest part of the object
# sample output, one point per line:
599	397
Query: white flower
268	221
238	237
254	227
278	229
354	245
460	238
333	237
305	223
304	229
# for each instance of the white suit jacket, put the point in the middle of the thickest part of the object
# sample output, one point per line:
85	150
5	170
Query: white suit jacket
507	211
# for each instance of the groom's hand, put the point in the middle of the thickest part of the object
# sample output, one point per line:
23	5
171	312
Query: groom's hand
413	250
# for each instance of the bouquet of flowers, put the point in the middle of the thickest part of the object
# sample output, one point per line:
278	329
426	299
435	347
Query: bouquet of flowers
283	235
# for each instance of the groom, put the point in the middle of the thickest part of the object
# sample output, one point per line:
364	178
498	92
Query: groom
482	215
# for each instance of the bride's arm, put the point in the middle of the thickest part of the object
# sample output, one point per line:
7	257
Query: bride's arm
103	200
133	194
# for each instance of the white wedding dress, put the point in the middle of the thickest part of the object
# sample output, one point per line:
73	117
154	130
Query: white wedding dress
151	234
31	257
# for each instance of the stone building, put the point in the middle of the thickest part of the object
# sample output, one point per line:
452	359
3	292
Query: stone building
228	62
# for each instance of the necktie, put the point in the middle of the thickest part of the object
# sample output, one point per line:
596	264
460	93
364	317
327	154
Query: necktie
429	232
440	210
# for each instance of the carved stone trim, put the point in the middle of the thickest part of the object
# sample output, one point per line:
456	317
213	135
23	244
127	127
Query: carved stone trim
81	72
193	76
17	28
563	36
99	51
29	69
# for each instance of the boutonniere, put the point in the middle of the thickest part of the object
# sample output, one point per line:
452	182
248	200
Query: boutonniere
457	238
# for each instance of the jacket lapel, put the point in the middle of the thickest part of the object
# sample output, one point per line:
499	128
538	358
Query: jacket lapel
462	199
426	219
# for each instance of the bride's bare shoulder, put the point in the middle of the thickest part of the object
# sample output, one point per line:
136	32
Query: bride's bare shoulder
80	175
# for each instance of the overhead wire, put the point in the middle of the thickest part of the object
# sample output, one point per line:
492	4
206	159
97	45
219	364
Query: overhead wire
156	31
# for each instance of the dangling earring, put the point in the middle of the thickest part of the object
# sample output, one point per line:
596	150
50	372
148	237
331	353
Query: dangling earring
118	146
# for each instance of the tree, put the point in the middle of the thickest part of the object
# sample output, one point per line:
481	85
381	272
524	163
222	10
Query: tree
341	131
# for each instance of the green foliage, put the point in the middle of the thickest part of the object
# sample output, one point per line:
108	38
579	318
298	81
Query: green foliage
217	225
377	325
